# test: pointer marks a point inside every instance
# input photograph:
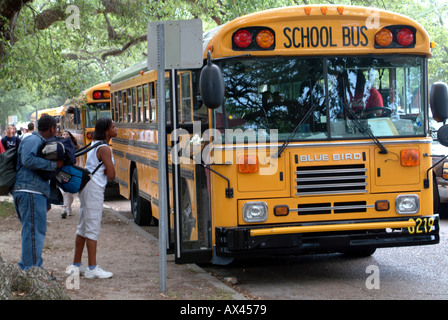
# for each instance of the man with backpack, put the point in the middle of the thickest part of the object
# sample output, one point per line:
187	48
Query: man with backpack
31	190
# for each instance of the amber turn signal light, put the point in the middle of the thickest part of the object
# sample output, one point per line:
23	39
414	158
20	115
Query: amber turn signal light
410	157
281	211
247	164
382	205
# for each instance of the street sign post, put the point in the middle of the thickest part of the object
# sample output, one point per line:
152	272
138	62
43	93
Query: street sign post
171	45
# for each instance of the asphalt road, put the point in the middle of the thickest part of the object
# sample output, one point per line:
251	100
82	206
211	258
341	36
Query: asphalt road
405	273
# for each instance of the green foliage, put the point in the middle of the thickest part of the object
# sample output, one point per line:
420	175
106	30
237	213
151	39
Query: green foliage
6	209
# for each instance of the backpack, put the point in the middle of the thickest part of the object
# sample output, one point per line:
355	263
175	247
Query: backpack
57	148
72	178
8	163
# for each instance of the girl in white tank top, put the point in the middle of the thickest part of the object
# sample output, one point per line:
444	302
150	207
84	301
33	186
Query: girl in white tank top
92	199
92	163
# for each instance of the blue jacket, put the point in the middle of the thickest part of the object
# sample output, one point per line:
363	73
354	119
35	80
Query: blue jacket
28	165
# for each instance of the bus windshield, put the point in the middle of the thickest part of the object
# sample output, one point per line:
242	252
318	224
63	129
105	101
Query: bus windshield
96	111
324	98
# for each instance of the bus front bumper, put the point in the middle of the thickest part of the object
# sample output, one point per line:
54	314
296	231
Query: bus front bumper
338	236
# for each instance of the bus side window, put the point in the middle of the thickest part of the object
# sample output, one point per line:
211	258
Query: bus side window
185	112
200	111
116	106
139	116
112	107
168	99
134	105
152	103
128	114
120	106
145	105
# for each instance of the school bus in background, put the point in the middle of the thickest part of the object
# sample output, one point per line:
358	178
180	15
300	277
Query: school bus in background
302	155
83	111
58	113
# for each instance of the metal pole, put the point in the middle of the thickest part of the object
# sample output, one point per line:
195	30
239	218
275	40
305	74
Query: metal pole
161	121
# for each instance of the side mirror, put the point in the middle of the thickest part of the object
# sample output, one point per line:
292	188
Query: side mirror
211	84
439	101
442	135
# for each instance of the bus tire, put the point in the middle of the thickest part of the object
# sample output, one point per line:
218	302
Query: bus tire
140	207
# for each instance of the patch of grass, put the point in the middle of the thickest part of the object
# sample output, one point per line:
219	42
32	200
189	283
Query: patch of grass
6	209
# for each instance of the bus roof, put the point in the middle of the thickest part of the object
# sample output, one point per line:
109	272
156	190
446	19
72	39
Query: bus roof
86	96
130	72
337	30
54	112
287	23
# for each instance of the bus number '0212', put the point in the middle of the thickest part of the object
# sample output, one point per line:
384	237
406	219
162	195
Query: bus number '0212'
421	225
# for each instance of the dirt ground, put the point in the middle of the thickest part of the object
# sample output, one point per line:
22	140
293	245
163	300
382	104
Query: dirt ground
124	249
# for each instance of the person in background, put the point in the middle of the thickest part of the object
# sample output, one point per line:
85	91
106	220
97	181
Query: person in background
30	193
374	98
92	199
10	140
30	130
2	149
67	196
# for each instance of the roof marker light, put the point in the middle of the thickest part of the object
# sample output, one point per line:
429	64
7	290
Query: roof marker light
384	37
341	10
324	9
308	10
242	38
97	95
265	39
405	37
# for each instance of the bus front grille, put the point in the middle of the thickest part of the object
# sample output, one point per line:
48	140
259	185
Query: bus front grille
330	208
337	179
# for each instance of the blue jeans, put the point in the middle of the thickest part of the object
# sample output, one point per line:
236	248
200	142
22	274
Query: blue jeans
31	209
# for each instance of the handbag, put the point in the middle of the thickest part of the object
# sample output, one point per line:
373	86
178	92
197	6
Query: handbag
72	178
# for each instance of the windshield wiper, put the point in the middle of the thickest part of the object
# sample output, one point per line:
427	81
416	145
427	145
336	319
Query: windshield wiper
293	133
360	124
364	128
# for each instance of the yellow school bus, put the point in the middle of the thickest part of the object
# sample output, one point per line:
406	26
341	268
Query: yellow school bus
58	113
83	111
320	142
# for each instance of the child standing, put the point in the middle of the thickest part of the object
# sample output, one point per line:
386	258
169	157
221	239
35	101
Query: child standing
92	199
67	196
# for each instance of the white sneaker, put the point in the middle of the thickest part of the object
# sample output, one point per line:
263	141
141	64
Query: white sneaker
74	270
97	273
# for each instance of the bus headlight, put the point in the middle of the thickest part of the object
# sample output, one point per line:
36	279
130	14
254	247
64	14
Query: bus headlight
255	211
407	204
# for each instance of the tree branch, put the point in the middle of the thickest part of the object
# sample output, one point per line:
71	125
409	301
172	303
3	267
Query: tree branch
117	52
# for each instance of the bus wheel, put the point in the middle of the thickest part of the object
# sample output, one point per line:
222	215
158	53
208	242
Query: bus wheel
141	208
